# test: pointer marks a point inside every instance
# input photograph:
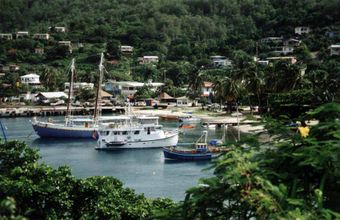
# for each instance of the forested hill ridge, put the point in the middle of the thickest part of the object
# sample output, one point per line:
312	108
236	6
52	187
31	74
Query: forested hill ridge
177	28
183	34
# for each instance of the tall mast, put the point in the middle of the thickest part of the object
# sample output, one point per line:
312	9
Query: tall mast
70	92
97	109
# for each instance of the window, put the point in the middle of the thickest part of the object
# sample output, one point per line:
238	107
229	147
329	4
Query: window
124	132
136	132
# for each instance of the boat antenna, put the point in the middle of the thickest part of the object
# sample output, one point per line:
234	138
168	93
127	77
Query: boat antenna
70	93
205	135
97	109
238	124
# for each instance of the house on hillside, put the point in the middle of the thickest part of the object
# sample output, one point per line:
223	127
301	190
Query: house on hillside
284	50
39	50
220	61
126	49
333	34
148	59
290	59
128	88
30	79
274	40
41	36
57	29
22	34
292	42
67	44
13	67
302	30
335	50
6	36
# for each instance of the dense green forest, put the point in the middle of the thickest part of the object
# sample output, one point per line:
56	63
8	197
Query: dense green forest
288	177
183	33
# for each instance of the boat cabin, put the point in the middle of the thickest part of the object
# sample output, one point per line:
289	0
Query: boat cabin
201	147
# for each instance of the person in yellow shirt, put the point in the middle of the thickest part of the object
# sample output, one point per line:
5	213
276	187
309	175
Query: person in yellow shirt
303	129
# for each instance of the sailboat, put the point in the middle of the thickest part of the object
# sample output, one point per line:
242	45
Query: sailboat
74	126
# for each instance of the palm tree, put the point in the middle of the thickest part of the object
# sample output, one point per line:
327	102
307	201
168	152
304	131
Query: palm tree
49	78
196	81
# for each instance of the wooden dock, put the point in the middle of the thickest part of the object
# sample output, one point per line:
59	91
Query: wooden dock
54	111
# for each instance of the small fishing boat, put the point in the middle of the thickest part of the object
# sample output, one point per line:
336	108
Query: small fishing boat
185	126
168	117
208	126
201	151
189	119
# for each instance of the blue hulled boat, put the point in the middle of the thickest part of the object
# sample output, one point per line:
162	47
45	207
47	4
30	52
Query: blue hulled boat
55	130
172	153
201	151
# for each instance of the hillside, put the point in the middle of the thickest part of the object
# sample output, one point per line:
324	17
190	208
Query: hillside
182	33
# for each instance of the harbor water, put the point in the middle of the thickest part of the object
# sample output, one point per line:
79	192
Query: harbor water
144	170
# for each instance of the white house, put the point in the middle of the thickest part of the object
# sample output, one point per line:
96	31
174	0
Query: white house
58	29
46	97
220	61
128	87
335	49
30	79
292	42
148	59
284	50
6	36
67	44
20	34
41	36
290	59
275	40
39	50
79	85
302	30
126	49
207	89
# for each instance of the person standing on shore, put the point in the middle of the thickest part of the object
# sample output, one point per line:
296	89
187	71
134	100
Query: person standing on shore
303	129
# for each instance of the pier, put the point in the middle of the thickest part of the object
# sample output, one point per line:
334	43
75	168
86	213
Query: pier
54	111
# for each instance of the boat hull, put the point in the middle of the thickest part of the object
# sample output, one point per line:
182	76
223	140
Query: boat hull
48	130
185	155
169	140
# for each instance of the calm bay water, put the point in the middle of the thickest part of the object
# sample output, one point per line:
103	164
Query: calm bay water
144	170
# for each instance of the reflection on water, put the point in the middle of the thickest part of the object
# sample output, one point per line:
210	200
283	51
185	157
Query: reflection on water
144	170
